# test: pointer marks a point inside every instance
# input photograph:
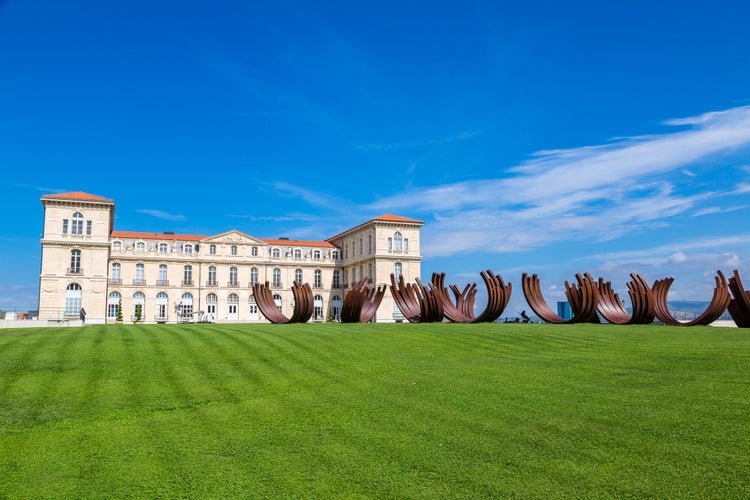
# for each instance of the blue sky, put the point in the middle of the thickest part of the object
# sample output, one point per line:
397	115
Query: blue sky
547	137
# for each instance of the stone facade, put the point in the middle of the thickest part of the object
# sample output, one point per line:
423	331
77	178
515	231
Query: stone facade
164	277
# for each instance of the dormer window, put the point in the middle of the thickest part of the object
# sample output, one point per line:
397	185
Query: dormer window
188	249
275	253
117	246
163	248
297	253
140	247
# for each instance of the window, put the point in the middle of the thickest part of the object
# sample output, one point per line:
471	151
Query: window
298	276
336	279
77	227
390	243
336	307
361	245
234	249
162	275
276	276
162	302
346	250
233	304
88	227
73	300
187	276
316	254
369	272
211	276
65	226
113	303
275	253
253	276
188	249
254	251
318	307
406	244
139	305
335	254
397	270
75	262
233	276
318	280
277	300
297	253
369	244
163	248
115	277
140	247
117	245
212	249
186	306
397	241
139	275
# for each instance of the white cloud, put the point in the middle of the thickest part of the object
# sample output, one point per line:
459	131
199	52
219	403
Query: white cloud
159	214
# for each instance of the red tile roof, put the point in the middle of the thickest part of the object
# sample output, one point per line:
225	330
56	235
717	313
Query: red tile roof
397	218
76	195
297	243
137	235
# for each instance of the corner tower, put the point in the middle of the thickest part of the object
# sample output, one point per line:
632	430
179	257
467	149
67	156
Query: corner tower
75	256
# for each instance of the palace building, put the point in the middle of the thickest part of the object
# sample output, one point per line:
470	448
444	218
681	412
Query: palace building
87	266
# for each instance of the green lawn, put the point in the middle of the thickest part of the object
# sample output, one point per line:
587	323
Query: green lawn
333	410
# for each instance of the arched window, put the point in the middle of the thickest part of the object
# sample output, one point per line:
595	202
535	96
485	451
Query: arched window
318	279
275	253
115	277
117	246
187	276
316	254
211	297
162	302
397	270
163	248
276	276
187	248
77	227
162	275
298	276
211	276
253	276
277	300
233	276
318	307
139	306
112	304
75	262
297	253
140	246
397	241
233	298
234	249
187	305
233	304
336	279
73	300
211	303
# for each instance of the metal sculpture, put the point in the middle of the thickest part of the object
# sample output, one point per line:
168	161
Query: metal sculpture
462	311
719	302
417	303
739	306
303	303
611	308
361	302
583	299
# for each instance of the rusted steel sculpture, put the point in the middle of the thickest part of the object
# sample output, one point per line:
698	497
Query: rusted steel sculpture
719	302
583	299
303	303
361	302
462	311
610	306
739	306
417	303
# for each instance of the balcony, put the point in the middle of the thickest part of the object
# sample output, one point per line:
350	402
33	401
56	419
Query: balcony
336	285
252	284
233	284
115	281
212	283
75	270
162	282
277	285
187	282
139	282
160	319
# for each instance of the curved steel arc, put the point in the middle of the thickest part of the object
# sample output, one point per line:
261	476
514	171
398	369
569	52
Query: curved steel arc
611	308
739	306
583	298
719	302
417	303
303	303
361	302
462	311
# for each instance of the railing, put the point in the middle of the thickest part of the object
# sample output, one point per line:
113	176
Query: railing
160	319
162	282
187	282
277	285
139	282
252	283
212	283
75	270
115	281
233	284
